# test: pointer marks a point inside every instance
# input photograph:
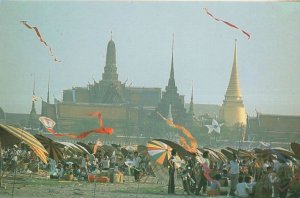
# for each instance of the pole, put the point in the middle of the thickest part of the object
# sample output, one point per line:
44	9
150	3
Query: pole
13	188
1	159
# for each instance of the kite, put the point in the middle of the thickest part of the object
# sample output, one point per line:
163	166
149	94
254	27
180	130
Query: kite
227	23
49	124
38	34
215	126
191	148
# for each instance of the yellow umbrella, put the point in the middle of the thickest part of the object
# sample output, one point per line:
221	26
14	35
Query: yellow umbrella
8	133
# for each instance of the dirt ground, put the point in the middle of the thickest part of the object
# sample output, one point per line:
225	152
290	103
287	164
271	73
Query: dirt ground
28	187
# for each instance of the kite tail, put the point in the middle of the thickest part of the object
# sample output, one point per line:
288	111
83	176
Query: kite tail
227	23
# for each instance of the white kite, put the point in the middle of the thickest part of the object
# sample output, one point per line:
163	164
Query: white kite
215	126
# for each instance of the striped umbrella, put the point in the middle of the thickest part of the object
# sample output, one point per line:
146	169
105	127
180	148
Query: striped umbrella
54	148
159	152
11	135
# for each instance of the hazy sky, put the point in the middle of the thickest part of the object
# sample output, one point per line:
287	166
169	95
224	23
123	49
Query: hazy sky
78	32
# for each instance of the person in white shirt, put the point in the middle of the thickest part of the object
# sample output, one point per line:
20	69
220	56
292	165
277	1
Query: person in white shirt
136	165
234	171
242	189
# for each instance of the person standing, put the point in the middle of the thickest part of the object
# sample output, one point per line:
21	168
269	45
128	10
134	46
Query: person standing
234	171
136	165
203	179
171	185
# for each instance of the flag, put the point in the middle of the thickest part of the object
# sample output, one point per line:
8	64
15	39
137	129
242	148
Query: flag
34	98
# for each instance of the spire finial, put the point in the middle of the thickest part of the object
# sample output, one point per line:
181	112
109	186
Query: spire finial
172	69
48	97
111	35
33	91
173	43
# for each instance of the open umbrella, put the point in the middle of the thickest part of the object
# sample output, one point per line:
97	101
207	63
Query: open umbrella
218	153
159	152
181	152
227	153
296	149
11	135
87	147
54	148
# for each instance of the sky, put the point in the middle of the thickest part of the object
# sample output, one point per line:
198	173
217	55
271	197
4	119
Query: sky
78	32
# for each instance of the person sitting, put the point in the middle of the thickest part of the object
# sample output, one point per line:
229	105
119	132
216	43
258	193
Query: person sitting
251	185
242	189
215	186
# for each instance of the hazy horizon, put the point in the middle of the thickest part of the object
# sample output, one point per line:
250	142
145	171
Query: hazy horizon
78	33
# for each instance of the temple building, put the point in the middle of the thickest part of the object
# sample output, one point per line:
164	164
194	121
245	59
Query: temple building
233	111
273	128
122	107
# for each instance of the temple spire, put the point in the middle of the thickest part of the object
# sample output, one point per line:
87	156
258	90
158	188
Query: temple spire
110	69
191	108
233	90
233	111
171	83
33	99
33	120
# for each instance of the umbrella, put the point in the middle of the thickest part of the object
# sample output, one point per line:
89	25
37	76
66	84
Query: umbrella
11	135
142	149
82	148
283	151
296	149
181	152
227	153
71	147
220	155
87	147
107	149
211	155
159	152
54	148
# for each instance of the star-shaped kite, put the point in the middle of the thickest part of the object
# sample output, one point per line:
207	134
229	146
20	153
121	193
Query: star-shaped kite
215	126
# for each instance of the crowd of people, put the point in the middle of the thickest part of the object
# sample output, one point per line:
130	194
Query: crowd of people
265	178
251	177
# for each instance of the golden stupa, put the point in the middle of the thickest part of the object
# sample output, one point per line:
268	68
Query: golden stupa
233	111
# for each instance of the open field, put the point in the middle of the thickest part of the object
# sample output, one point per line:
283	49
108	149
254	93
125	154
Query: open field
28	187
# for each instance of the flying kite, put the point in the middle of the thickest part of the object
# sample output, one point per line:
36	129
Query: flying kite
193	146
215	126
227	23
49	125
38	34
